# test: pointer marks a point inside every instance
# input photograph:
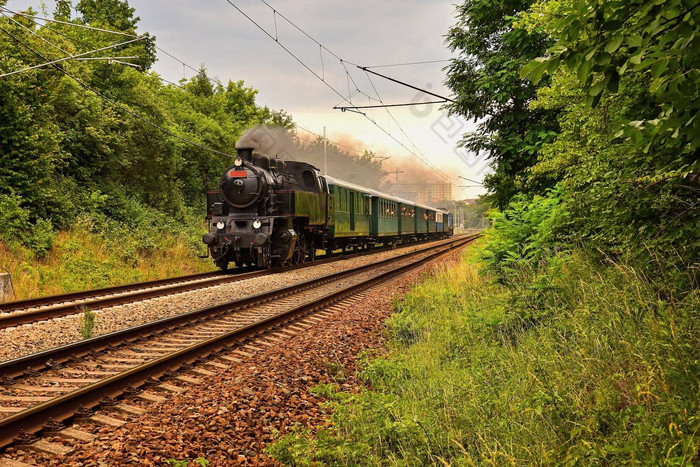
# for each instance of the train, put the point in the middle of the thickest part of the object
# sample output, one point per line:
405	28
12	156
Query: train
269	213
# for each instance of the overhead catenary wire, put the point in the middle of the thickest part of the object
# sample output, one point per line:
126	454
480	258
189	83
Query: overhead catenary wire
71	57
423	158
83	26
349	100
320	78
177	59
469	179
409	63
114	103
383	106
217	83
405	84
110	59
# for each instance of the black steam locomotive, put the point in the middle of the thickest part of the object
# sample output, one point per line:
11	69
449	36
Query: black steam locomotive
268	212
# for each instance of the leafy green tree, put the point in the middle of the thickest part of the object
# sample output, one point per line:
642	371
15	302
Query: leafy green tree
62	11
117	15
626	155
486	81
29	138
65	152
602	41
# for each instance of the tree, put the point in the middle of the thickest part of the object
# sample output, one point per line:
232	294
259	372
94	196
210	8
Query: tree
488	87
117	15
624	79
601	41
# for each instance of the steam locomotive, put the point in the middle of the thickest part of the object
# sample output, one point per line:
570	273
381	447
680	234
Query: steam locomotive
268	212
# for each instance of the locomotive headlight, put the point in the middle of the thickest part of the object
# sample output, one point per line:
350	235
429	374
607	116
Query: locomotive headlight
220	225
238	162
257	224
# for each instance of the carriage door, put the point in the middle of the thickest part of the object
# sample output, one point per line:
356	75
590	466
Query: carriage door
352	211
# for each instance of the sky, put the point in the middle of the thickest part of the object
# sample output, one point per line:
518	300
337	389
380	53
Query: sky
365	33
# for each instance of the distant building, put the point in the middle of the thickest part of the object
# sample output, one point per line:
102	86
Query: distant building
425	193
470	201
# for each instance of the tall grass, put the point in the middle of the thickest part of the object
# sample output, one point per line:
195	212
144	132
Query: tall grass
595	364
91	256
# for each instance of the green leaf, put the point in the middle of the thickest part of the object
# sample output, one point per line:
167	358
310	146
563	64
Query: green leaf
635	40
659	67
553	66
598	87
658	85
538	71
603	59
612	25
614	44
527	68
584	70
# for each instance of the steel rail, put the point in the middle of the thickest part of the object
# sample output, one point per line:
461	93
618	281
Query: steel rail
63	407
118	295
49	358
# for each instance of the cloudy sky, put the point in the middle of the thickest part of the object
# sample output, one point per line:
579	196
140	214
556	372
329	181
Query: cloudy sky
366	33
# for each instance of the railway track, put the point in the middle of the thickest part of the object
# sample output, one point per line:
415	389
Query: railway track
33	310
42	390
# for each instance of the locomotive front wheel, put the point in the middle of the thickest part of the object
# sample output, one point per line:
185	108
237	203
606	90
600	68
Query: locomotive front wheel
299	256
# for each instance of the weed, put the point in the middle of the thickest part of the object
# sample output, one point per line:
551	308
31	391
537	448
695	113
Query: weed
200	461
87	323
336	370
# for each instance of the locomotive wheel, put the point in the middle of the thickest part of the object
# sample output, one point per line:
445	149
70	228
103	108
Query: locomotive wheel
299	256
302	250
312	251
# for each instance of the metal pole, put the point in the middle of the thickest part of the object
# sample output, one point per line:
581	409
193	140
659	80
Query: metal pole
325	152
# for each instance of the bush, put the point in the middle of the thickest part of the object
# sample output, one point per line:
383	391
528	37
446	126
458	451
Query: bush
528	232
13	219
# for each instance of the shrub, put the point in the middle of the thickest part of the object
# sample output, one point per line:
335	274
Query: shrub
87	323
528	232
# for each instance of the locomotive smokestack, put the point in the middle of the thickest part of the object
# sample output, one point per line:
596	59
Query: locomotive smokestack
245	154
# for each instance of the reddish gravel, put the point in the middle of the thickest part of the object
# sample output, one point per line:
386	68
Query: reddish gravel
229	420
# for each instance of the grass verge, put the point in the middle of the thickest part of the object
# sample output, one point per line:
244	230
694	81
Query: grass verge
588	363
88	257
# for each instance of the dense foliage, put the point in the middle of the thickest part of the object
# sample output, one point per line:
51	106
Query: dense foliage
488	88
67	152
625	83
103	142
621	79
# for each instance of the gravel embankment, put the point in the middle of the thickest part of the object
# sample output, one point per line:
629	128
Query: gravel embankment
230	419
32	338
